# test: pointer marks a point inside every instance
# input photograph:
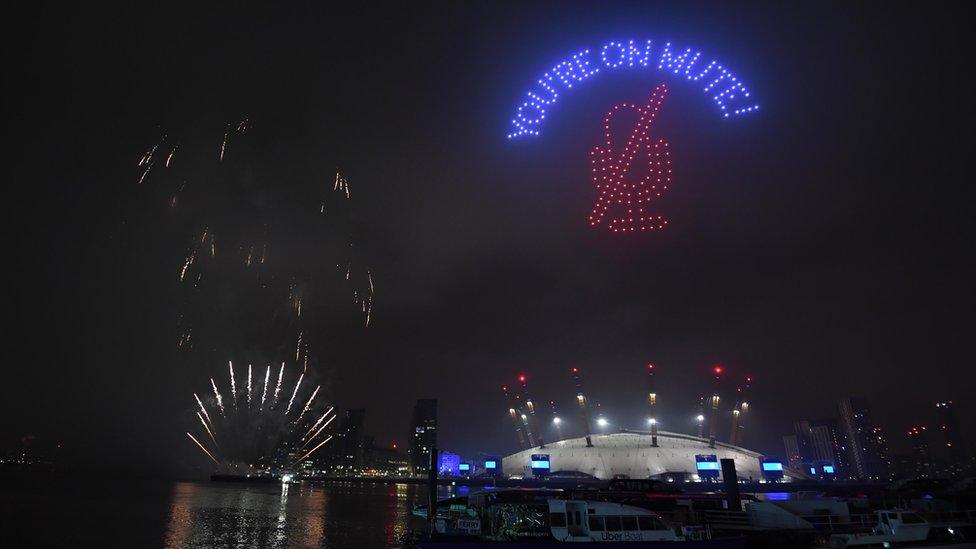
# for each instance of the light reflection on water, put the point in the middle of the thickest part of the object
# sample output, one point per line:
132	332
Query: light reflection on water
296	515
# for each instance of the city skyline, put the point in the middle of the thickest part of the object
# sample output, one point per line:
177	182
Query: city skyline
817	244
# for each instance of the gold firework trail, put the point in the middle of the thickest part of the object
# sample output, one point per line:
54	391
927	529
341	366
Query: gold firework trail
186	265
322	428
223	146
171	153
205	450
327	412
185	337
209	432
310	452
308	404
202	409
146	172
341	184
175	199
147	157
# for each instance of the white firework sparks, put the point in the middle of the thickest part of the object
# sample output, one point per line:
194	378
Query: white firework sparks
220	400
248	384
295	392
264	391
281	372
233	386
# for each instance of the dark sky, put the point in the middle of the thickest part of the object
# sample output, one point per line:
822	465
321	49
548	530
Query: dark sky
823	245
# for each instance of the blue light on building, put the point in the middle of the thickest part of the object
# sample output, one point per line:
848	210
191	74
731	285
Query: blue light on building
449	464
707	466
772	469
540	465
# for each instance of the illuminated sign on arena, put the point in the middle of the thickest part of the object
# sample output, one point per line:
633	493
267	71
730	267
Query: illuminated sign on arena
721	85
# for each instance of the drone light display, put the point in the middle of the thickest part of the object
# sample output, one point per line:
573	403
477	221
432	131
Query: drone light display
721	85
612	166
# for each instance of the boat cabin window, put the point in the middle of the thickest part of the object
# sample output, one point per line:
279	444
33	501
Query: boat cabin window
613	524
651	523
884	518
557	520
911	518
629	522
596	524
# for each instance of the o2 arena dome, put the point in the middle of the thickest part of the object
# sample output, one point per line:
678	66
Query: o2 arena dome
629	454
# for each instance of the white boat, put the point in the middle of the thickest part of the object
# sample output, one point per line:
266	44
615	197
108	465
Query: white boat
587	521
898	528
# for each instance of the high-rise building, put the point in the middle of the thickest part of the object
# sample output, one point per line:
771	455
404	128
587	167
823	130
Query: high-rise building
920	464
423	434
955	447
815	444
351	442
867	447
839	444
793	455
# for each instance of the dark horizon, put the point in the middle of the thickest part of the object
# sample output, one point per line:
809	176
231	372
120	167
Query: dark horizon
818	245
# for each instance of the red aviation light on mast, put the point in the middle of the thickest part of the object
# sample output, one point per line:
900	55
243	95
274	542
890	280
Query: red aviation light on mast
718	370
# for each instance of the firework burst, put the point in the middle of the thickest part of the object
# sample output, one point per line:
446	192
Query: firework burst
273	436
265	293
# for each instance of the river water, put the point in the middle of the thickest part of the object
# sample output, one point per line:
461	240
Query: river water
206	514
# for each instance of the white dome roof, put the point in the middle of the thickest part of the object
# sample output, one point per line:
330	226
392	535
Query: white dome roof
630	453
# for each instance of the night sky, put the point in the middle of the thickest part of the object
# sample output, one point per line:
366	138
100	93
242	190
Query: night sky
823	245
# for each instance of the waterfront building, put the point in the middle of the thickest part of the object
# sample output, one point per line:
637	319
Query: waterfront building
423	434
867	447
349	445
955	446
385	461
